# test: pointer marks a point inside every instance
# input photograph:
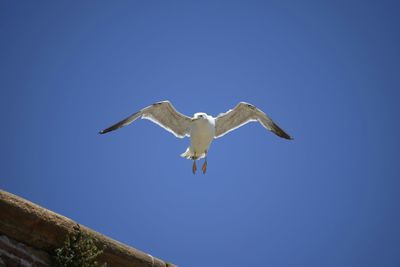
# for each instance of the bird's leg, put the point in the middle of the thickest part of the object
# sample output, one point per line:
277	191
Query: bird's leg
204	168
194	167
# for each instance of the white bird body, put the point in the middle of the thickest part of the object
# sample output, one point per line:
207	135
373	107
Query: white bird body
202	133
201	128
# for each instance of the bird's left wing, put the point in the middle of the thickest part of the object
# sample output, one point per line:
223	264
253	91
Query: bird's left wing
244	113
161	113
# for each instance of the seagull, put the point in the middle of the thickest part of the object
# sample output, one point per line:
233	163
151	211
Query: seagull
201	128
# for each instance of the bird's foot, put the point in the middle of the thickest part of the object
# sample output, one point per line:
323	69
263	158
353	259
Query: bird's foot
194	167
204	168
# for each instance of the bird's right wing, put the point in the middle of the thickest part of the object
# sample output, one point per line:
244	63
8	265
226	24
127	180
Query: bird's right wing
244	113
161	113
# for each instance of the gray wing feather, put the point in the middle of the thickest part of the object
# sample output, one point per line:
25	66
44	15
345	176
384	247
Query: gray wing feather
161	113
242	114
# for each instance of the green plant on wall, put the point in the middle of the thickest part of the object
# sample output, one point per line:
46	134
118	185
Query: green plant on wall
79	250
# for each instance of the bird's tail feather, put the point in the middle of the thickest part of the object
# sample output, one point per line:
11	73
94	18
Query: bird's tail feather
189	154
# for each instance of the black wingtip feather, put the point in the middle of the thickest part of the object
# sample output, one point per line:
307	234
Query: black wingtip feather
286	136
281	133
107	130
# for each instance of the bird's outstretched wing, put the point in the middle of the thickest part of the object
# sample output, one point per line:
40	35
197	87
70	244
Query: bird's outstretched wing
242	114
161	113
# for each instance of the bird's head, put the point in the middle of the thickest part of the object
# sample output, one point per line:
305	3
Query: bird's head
199	116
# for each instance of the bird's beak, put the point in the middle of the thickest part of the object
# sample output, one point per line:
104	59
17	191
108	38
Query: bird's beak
195	119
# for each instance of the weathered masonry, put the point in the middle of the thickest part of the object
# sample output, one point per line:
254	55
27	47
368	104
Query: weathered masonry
29	234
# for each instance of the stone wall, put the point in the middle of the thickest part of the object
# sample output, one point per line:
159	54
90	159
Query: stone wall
29	234
14	253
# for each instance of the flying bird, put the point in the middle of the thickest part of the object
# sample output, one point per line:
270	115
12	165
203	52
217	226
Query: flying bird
201	128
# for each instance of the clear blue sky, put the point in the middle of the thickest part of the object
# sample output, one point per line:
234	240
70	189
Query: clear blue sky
327	73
